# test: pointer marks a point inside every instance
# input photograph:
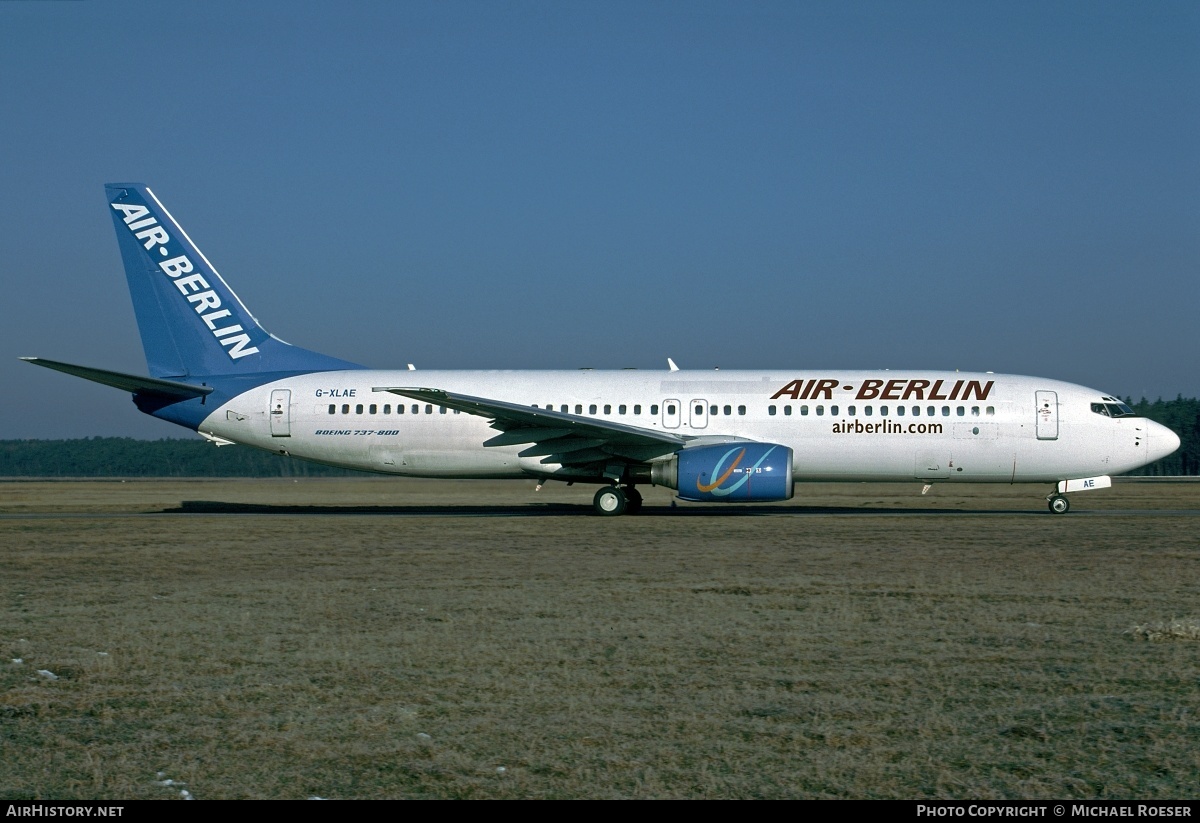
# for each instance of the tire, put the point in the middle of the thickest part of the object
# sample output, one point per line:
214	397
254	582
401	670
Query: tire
633	500
1059	504
609	502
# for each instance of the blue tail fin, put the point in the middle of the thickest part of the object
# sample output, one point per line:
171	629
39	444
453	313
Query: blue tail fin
191	322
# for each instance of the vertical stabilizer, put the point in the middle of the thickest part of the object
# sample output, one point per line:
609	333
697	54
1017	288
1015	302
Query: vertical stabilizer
190	321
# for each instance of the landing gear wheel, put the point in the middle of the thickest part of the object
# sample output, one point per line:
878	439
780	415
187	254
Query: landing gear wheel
633	500
1059	504
609	501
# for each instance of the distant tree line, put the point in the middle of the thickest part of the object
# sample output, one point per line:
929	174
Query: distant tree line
1182	416
126	457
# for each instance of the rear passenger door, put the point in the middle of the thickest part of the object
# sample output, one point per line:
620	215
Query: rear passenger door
280	412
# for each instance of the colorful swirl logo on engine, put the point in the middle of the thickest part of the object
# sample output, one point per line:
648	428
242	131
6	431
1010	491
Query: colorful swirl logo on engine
722	476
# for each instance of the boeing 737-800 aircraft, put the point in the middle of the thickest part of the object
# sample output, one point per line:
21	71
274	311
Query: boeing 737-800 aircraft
729	436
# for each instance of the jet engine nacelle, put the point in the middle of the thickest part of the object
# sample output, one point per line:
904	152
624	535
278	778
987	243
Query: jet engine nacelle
742	472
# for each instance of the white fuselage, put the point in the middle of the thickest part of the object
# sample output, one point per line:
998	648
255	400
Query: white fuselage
841	425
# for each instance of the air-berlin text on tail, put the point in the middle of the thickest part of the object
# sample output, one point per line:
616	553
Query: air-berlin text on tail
822	388
192	285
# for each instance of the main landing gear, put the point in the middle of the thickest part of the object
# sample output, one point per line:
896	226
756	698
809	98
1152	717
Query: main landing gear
611	501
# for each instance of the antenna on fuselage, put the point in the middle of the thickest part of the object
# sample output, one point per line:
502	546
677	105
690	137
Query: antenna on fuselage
671	365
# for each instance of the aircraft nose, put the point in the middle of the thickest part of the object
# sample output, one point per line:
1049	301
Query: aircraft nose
1161	441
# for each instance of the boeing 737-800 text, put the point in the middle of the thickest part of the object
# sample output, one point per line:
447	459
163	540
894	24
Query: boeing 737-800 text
728	436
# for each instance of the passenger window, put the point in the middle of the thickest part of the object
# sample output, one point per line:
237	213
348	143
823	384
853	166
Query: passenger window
387	408
834	410
637	409
671	408
883	411
592	409
579	408
930	411
607	408
621	408
945	411
441	409
728	410
771	410
741	409
991	409
332	408
429	408
899	411
974	411
399	410
374	409
346	408
852	410
654	409
416	409
820	411
804	411
961	411
712	410
358	409
787	410
868	410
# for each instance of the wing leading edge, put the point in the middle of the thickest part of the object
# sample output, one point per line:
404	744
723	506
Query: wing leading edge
556	437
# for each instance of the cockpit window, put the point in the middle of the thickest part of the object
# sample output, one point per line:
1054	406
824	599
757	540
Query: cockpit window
1116	409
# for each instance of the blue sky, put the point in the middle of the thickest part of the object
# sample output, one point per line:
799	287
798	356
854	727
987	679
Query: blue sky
1011	186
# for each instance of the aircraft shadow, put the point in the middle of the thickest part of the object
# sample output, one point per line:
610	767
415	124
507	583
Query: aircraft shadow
561	510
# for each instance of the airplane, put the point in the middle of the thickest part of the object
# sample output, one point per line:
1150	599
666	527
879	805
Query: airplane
711	436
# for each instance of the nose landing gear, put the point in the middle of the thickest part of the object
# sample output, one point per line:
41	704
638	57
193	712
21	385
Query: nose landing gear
1059	505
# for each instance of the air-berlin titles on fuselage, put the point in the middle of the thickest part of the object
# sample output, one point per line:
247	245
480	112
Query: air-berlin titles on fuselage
194	287
823	388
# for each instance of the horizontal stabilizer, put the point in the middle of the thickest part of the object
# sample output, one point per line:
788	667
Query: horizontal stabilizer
127	382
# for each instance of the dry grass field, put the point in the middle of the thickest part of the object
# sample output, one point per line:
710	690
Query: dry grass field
406	639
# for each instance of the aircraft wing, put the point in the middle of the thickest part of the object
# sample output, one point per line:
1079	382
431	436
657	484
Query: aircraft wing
556	437
127	382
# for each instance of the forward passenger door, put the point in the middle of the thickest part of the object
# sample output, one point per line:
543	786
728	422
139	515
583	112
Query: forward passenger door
1047	415
281	412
